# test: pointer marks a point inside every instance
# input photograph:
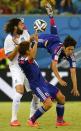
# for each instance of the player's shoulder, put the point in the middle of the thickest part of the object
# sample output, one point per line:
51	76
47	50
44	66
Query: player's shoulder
8	37
8	40
58	48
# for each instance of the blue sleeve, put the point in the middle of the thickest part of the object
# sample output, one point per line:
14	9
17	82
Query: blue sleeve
56	52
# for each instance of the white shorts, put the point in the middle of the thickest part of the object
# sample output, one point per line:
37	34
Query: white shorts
18	77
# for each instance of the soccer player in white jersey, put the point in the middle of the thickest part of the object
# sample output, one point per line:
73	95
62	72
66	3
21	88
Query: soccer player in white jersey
16	34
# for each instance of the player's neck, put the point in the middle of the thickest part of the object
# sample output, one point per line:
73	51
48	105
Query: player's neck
16	35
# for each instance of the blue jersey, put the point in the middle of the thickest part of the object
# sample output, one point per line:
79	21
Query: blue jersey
48	41
52	43
31	70
37	83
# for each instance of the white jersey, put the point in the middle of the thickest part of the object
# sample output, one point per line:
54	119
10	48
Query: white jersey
9	45
18	76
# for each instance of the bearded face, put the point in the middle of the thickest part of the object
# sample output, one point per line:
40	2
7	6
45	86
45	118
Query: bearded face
19	31
20	28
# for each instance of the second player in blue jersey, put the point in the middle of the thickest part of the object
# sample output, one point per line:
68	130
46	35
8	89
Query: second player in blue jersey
45	91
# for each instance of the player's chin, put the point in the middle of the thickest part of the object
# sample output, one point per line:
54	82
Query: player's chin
69	55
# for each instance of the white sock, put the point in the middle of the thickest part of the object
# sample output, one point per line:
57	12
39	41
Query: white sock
34	105
15	105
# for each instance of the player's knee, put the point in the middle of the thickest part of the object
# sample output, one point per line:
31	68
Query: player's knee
62	99
48	104
20	89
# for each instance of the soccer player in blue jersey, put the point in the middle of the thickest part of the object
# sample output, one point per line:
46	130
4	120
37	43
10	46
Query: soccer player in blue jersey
59	51
51	42
45	91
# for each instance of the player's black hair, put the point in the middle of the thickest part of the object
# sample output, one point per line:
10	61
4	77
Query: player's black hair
9	27
69	41
23	47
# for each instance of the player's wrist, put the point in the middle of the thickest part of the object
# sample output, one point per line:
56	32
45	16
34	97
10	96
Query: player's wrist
74	88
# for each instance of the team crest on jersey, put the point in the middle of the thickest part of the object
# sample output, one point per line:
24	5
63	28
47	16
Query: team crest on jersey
46	94
22	39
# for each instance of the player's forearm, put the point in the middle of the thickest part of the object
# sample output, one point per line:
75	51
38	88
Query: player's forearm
34	50
55	70
13	54
32	37
35	45
73	77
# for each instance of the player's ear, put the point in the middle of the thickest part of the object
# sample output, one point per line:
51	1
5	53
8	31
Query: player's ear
64	49
15	27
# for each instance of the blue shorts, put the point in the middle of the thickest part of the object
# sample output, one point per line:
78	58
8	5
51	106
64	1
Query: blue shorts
45	90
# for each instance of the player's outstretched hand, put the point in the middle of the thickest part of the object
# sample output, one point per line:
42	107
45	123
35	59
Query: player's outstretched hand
63	83
75	92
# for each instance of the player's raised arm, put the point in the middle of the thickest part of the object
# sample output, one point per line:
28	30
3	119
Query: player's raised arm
56	72
33	50
26	50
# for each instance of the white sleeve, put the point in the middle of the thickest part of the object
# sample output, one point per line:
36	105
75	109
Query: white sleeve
8	45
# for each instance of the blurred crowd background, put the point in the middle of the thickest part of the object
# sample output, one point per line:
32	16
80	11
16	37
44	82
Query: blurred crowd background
36	7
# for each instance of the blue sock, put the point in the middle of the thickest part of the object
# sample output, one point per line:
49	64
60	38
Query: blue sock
40	111
60	112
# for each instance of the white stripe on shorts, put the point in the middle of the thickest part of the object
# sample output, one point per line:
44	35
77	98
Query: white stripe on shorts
41	93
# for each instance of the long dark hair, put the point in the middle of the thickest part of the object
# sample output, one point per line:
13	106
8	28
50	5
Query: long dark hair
9	27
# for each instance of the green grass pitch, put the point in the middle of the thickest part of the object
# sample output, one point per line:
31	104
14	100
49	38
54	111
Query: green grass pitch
47	121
